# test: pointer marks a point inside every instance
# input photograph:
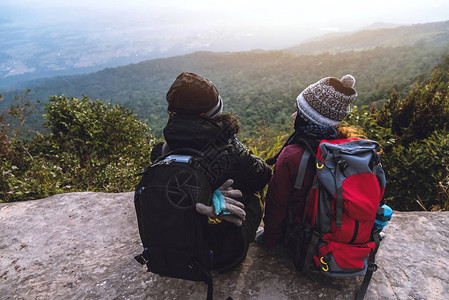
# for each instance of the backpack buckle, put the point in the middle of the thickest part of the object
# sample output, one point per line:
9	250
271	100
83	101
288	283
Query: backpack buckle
372	267
165	161
343	164
142	258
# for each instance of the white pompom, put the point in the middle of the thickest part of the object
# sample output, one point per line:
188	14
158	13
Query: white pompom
348	81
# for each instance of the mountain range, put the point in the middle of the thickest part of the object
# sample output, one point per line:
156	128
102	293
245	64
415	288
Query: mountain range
31	52
260	86
388	35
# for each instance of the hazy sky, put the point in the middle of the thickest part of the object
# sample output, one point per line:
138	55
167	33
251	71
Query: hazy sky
261	13
83	33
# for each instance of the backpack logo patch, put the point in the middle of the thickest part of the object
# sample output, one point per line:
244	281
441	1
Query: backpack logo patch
183	190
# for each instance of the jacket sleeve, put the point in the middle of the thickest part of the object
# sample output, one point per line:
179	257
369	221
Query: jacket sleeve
253	173
156	151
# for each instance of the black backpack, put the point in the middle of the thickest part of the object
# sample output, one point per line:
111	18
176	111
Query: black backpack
173	234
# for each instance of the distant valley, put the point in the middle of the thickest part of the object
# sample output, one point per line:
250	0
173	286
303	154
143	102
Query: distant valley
30	52
260	86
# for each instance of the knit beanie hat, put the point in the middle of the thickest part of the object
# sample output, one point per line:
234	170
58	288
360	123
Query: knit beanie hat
326	102
195	95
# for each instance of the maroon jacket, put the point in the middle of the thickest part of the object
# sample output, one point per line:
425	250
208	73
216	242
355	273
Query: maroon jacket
281	191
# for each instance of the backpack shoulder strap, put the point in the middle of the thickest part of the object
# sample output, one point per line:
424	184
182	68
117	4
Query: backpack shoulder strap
302	170
165	148
311	147
372	267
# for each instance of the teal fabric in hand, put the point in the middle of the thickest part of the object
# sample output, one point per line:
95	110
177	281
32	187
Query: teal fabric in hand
219	203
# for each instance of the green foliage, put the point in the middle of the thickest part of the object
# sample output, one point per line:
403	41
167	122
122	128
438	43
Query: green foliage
94	131
92	146
425	103
257	87
37	179
414	136
415	171
415	35
266	142
362	118
96	146
268	149
443	195
14	152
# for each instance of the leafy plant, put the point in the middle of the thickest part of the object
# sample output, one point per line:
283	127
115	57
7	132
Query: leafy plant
414	172
443	195
14	151
97	146
414	136
93	146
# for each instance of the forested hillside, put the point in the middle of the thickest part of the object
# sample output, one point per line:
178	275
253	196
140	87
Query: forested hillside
97	146
91	144
418	34
413	131
259	87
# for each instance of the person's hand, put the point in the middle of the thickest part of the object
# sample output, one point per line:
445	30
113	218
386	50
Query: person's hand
228	191
235	215
223	206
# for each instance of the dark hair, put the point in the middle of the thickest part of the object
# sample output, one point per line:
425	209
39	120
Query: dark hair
300	122
227	120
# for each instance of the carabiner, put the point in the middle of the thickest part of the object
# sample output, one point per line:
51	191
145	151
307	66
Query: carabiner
213	221
319	167
325	268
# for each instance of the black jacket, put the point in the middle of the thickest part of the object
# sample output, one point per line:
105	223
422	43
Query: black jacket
227	159
227	156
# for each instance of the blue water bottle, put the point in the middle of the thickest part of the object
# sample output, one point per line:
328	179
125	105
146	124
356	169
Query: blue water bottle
383	215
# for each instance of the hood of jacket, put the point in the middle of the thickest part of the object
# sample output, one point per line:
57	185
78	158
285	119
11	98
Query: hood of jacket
187	131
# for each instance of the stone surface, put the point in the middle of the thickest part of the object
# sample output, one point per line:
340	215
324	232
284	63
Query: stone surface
81	246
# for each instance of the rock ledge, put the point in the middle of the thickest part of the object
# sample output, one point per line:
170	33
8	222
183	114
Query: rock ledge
81	246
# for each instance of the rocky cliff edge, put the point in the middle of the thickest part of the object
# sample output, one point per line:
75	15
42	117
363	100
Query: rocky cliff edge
81	246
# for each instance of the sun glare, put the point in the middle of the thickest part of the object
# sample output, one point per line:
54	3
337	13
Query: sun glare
324	14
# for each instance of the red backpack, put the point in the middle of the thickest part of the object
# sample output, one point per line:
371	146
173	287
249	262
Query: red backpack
336	236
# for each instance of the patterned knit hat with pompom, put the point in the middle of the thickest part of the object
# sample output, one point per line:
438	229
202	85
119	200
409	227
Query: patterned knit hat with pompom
327	101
